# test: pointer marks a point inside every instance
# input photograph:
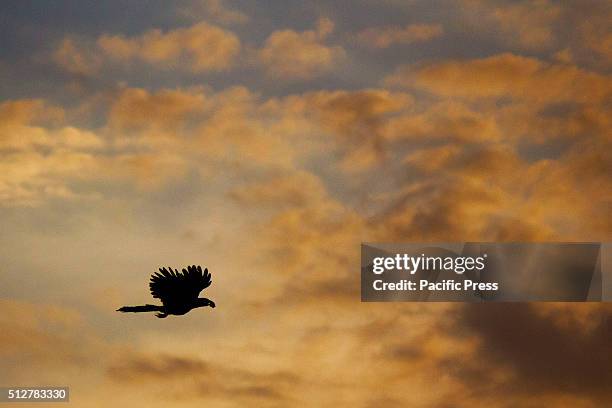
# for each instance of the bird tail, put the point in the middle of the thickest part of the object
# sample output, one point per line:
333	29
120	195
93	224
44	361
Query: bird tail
138	309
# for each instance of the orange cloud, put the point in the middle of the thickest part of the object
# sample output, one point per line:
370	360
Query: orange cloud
201	47
355	120
288	54
36	158
136	108
505	75
282	190
443	121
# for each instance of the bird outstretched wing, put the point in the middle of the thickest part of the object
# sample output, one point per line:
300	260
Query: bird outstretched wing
172	286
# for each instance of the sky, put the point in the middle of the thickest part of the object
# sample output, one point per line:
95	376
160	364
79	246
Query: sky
266	140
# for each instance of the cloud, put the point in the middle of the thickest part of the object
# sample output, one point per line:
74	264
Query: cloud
199	48
445	120
489	188
202	47
384	37
493	159
29	330
592	39
455	153
292	55
305	236
188	378
281	190
196	130
354	119
146	139
447	208
149	171
534	359
503	148
505	75
15	112
38	153
241	134
526	24
227	128
577	28
44	157
76	59
137	108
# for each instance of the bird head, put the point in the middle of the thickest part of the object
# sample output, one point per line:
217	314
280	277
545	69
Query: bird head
205	302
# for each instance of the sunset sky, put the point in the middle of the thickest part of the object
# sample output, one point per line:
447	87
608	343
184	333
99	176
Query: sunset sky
266	140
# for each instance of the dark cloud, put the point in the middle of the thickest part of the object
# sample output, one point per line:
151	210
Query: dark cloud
544	356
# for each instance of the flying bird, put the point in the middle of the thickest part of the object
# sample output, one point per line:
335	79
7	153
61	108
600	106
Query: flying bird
178	291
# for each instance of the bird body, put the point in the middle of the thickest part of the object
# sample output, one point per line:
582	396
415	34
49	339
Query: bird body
178	291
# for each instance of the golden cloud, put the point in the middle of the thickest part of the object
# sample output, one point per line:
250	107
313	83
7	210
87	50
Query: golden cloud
456	139
445	120
355	120
136	108
37	158
506	75
306	236
281	190
288	54
201	47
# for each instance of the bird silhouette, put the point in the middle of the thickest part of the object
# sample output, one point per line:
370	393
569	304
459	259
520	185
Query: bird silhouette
178	291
